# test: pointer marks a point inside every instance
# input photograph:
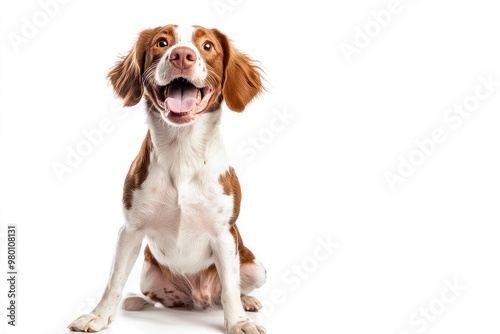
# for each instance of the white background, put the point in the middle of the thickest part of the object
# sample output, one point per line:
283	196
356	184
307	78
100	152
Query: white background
321	177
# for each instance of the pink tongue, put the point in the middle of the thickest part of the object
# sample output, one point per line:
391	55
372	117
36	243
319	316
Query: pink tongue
181	97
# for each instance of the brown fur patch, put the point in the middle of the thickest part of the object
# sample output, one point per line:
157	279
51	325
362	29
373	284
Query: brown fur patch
126	75
138	172
148	256
242	80
231	186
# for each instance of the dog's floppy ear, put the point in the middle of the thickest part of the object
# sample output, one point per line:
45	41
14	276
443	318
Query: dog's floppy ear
242	81
126	75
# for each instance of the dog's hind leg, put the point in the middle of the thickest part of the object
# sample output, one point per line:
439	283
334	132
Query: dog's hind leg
253	276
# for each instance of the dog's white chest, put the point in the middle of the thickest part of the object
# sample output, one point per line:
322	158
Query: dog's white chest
182	219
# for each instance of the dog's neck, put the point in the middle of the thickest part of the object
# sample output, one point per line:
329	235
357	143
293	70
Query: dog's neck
185	151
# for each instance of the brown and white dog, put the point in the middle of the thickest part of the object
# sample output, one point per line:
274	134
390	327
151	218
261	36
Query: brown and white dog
180	193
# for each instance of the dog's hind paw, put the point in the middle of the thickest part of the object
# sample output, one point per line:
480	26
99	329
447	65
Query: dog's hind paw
136	303
250	303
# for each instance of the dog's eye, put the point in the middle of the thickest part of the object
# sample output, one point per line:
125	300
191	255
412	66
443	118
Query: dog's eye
207	46
162	43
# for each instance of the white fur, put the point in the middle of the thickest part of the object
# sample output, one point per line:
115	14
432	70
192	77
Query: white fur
183	34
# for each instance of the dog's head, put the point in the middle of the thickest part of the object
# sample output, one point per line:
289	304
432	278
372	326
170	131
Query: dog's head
184	71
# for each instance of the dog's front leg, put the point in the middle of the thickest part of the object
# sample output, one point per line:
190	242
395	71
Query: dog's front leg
227	262
127	250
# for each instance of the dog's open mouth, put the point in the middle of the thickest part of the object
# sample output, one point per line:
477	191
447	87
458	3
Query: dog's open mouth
181	101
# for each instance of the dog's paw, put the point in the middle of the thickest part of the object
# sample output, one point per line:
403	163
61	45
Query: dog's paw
89	323
250	303
246	327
